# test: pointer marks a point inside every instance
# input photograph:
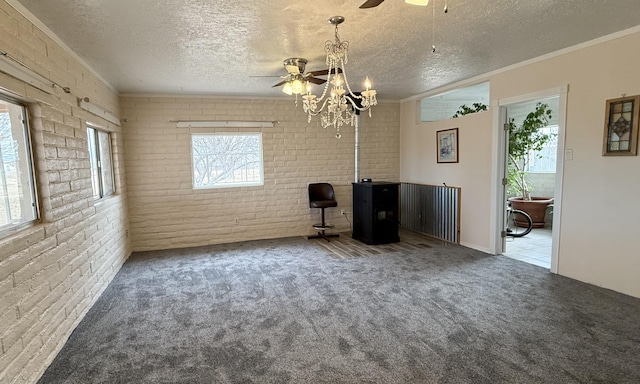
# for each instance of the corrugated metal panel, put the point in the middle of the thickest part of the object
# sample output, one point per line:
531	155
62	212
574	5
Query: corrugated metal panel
431	209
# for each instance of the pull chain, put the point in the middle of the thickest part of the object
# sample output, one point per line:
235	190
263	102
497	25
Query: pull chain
433	26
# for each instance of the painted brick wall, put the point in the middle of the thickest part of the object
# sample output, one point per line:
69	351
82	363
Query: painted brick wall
51	273
166	212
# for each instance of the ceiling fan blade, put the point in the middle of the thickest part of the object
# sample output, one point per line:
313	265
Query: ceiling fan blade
324	72
371	4
321	72
292	69
315	80
279	84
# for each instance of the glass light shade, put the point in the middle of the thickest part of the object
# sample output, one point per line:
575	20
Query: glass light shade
288	89
337	81
417	2
369	93
296	86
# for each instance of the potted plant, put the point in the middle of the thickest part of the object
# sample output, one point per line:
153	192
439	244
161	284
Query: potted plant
523	141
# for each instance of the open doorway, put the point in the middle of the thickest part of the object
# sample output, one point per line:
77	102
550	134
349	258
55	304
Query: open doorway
542	173
533	174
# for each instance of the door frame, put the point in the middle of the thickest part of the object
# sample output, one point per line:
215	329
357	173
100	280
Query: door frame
498	173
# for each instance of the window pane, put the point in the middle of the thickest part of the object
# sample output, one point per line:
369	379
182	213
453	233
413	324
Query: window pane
99	143
223	160
104	140
93	157
17	196
444	106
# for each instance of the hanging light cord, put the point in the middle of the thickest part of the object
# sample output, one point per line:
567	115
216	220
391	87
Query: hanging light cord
433	26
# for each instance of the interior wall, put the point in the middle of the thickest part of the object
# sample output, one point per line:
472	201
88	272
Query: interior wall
598	240
542	184
166	212
52	272
472	173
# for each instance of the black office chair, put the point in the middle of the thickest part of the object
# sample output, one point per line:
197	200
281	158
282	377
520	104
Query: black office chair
321	196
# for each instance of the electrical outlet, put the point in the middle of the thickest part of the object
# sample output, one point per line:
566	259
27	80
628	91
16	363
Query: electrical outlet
342	212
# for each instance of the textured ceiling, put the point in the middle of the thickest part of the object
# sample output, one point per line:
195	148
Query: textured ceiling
213	47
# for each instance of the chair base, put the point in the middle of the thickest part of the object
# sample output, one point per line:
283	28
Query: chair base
322	235
322	227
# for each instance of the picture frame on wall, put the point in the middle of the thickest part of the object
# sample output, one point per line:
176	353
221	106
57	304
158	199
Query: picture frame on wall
447	145
621	126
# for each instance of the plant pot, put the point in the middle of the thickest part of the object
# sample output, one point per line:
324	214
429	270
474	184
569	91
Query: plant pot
536	208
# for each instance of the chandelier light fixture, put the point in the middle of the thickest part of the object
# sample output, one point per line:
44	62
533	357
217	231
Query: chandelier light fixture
338	104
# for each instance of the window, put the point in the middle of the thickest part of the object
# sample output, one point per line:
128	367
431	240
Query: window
101	162
226	160
18	205
445	105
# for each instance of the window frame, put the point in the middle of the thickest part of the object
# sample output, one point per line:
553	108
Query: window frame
9	229
258	183
102	194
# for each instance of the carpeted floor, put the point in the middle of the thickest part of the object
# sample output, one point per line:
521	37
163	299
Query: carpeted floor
284	311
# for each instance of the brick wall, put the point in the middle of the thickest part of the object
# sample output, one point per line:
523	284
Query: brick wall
166	212
51	273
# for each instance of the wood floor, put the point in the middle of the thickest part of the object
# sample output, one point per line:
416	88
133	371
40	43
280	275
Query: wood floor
344	247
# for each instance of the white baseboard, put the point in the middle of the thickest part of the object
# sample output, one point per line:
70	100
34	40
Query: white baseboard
477	248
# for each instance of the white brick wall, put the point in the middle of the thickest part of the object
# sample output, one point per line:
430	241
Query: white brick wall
164	210
52	273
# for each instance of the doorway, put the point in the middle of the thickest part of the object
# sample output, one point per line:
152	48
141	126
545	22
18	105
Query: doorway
542	173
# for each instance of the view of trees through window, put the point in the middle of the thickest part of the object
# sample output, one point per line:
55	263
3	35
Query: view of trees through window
17	195
224	160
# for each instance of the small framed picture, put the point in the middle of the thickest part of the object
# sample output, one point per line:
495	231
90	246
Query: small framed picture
621	127
447	145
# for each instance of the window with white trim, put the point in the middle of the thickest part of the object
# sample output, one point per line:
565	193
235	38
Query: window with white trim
17	187
226	160
101	162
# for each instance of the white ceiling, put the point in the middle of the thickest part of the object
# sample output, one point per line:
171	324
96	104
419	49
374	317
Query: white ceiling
212	47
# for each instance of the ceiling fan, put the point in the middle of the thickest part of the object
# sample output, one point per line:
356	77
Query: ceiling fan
295	78
375	3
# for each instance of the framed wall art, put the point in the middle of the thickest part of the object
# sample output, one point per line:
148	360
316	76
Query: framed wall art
621	127
447	145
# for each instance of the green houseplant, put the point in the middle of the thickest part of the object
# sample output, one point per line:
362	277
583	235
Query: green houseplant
523	141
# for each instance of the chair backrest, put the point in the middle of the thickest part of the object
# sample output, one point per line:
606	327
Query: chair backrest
321	191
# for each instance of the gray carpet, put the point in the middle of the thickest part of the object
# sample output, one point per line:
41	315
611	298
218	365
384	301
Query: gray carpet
282	311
